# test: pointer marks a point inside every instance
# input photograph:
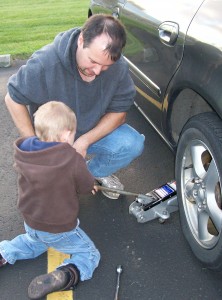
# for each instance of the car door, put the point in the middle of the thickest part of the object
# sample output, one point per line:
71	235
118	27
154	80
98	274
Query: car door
156	32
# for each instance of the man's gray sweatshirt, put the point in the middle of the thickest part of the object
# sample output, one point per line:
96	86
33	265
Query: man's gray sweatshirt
51	74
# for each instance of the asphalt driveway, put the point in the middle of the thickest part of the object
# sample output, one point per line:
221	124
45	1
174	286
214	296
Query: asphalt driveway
157	262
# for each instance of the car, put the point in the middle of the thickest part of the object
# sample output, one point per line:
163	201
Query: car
174	52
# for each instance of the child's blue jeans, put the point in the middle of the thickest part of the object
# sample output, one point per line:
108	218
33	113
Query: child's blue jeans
33	243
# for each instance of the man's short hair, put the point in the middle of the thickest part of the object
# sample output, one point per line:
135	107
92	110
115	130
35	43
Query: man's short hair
51	119
101	23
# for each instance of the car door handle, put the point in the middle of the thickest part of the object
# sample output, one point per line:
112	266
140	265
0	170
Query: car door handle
115	13
168	33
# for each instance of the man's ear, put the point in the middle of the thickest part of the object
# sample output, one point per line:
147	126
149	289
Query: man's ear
80	40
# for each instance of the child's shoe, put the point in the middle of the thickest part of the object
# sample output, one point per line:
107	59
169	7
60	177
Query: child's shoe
64	278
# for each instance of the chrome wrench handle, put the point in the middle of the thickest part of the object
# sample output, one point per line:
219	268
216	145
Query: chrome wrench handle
119	270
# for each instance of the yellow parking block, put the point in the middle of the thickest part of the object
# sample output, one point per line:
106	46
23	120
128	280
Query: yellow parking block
55	258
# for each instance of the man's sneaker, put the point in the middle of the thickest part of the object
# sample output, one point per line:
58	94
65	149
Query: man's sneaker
111	182
3	262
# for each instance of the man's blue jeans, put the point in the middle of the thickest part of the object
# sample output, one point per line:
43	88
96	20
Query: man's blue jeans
115	151
34	242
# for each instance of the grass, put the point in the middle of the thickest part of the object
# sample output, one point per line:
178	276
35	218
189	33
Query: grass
27	25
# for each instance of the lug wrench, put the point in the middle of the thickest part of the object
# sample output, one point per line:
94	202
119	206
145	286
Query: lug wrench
119	270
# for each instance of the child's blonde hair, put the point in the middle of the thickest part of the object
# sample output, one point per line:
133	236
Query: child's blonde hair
51	119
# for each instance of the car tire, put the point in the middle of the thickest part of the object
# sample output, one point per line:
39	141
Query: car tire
198	171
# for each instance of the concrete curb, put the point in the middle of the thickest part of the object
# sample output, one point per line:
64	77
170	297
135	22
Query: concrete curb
5	61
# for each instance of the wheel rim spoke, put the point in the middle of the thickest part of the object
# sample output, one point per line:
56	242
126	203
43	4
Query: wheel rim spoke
196	151
202	219
211	177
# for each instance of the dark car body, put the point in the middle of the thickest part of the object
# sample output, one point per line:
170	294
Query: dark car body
174	51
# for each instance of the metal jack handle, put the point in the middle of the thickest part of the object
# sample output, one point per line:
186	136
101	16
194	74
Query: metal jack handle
119	270
122	192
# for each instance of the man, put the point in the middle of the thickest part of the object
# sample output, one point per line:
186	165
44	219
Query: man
84	68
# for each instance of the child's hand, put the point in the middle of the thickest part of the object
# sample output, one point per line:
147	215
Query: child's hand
95	189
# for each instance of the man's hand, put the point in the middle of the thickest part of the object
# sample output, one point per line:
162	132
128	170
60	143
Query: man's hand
81	145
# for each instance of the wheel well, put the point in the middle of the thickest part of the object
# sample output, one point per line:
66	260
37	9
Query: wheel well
187	104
